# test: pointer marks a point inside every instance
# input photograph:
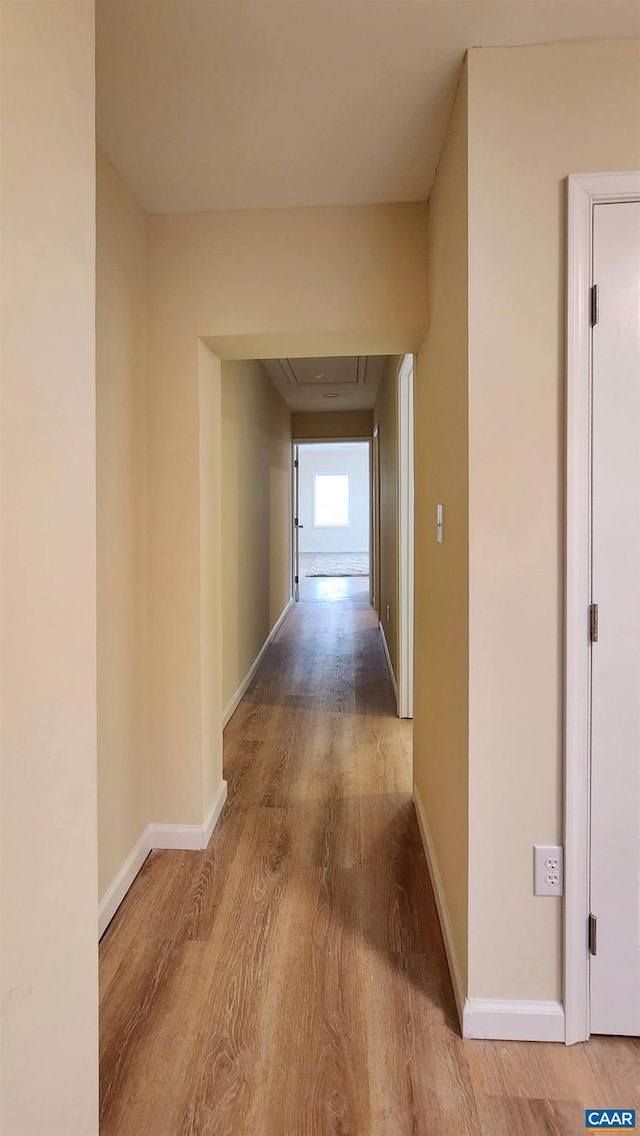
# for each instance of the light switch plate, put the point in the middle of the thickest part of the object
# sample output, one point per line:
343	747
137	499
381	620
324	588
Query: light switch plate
440	524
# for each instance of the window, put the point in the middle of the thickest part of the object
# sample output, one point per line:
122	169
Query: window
330	500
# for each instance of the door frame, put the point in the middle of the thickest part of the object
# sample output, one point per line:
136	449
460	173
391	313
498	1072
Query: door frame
295	503
374	502
584	192
405	536
295	534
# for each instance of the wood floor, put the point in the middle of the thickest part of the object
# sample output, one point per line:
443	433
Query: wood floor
330	587
291	979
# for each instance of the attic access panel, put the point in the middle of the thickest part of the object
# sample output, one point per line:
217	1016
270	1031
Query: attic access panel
338	371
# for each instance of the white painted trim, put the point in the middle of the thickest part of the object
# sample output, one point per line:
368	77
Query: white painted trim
215	811
119	887
175	836
441	904
374	566
389	663
584	191
295	527
333	551
191	837
405	537
504	1019
236	699
371	549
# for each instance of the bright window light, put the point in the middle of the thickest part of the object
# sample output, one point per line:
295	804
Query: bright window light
330	500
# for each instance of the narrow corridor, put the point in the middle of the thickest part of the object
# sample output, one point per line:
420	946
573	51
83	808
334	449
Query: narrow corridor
291	979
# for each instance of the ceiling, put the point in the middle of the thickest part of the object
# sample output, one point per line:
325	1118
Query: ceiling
230	104
344	382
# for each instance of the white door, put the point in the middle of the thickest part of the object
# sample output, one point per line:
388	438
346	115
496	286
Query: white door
296	524
615	709
374	567
406	536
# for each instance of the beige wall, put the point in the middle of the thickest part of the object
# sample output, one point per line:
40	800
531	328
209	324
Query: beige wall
256	515
121	376
441	570
244	274
127	772
386	415
48	682
310	426
536	114
241	282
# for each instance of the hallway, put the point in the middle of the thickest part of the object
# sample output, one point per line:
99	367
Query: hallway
291	979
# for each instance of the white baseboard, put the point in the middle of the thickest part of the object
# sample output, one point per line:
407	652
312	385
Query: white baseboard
504	1019
442	906
236	699
497	1019
389	663
117	890
334	551
214	813
191	837
175	836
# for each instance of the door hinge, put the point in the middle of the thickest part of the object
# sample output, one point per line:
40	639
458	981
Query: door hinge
297	580
593	623
593	934
295	464
595	305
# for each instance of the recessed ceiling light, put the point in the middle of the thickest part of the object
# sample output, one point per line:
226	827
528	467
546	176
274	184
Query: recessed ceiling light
331	396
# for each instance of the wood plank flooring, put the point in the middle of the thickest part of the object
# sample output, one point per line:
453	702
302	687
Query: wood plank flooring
291	979
332	588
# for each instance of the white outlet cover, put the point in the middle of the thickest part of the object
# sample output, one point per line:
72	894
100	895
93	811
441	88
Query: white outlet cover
548	869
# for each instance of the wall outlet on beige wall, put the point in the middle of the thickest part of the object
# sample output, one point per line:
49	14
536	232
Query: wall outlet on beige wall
548	869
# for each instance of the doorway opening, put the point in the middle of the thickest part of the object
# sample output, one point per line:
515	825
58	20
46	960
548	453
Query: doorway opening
337	526
332	521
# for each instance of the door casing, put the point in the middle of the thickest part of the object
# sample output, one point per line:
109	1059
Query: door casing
584	192
295	506
375	520
405	537
295	533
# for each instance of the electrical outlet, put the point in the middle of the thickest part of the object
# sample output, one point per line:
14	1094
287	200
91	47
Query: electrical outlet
548	869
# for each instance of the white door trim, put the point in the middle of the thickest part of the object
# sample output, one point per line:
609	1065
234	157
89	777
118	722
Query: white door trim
405	537
374	566
371	523
295	535
584	191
